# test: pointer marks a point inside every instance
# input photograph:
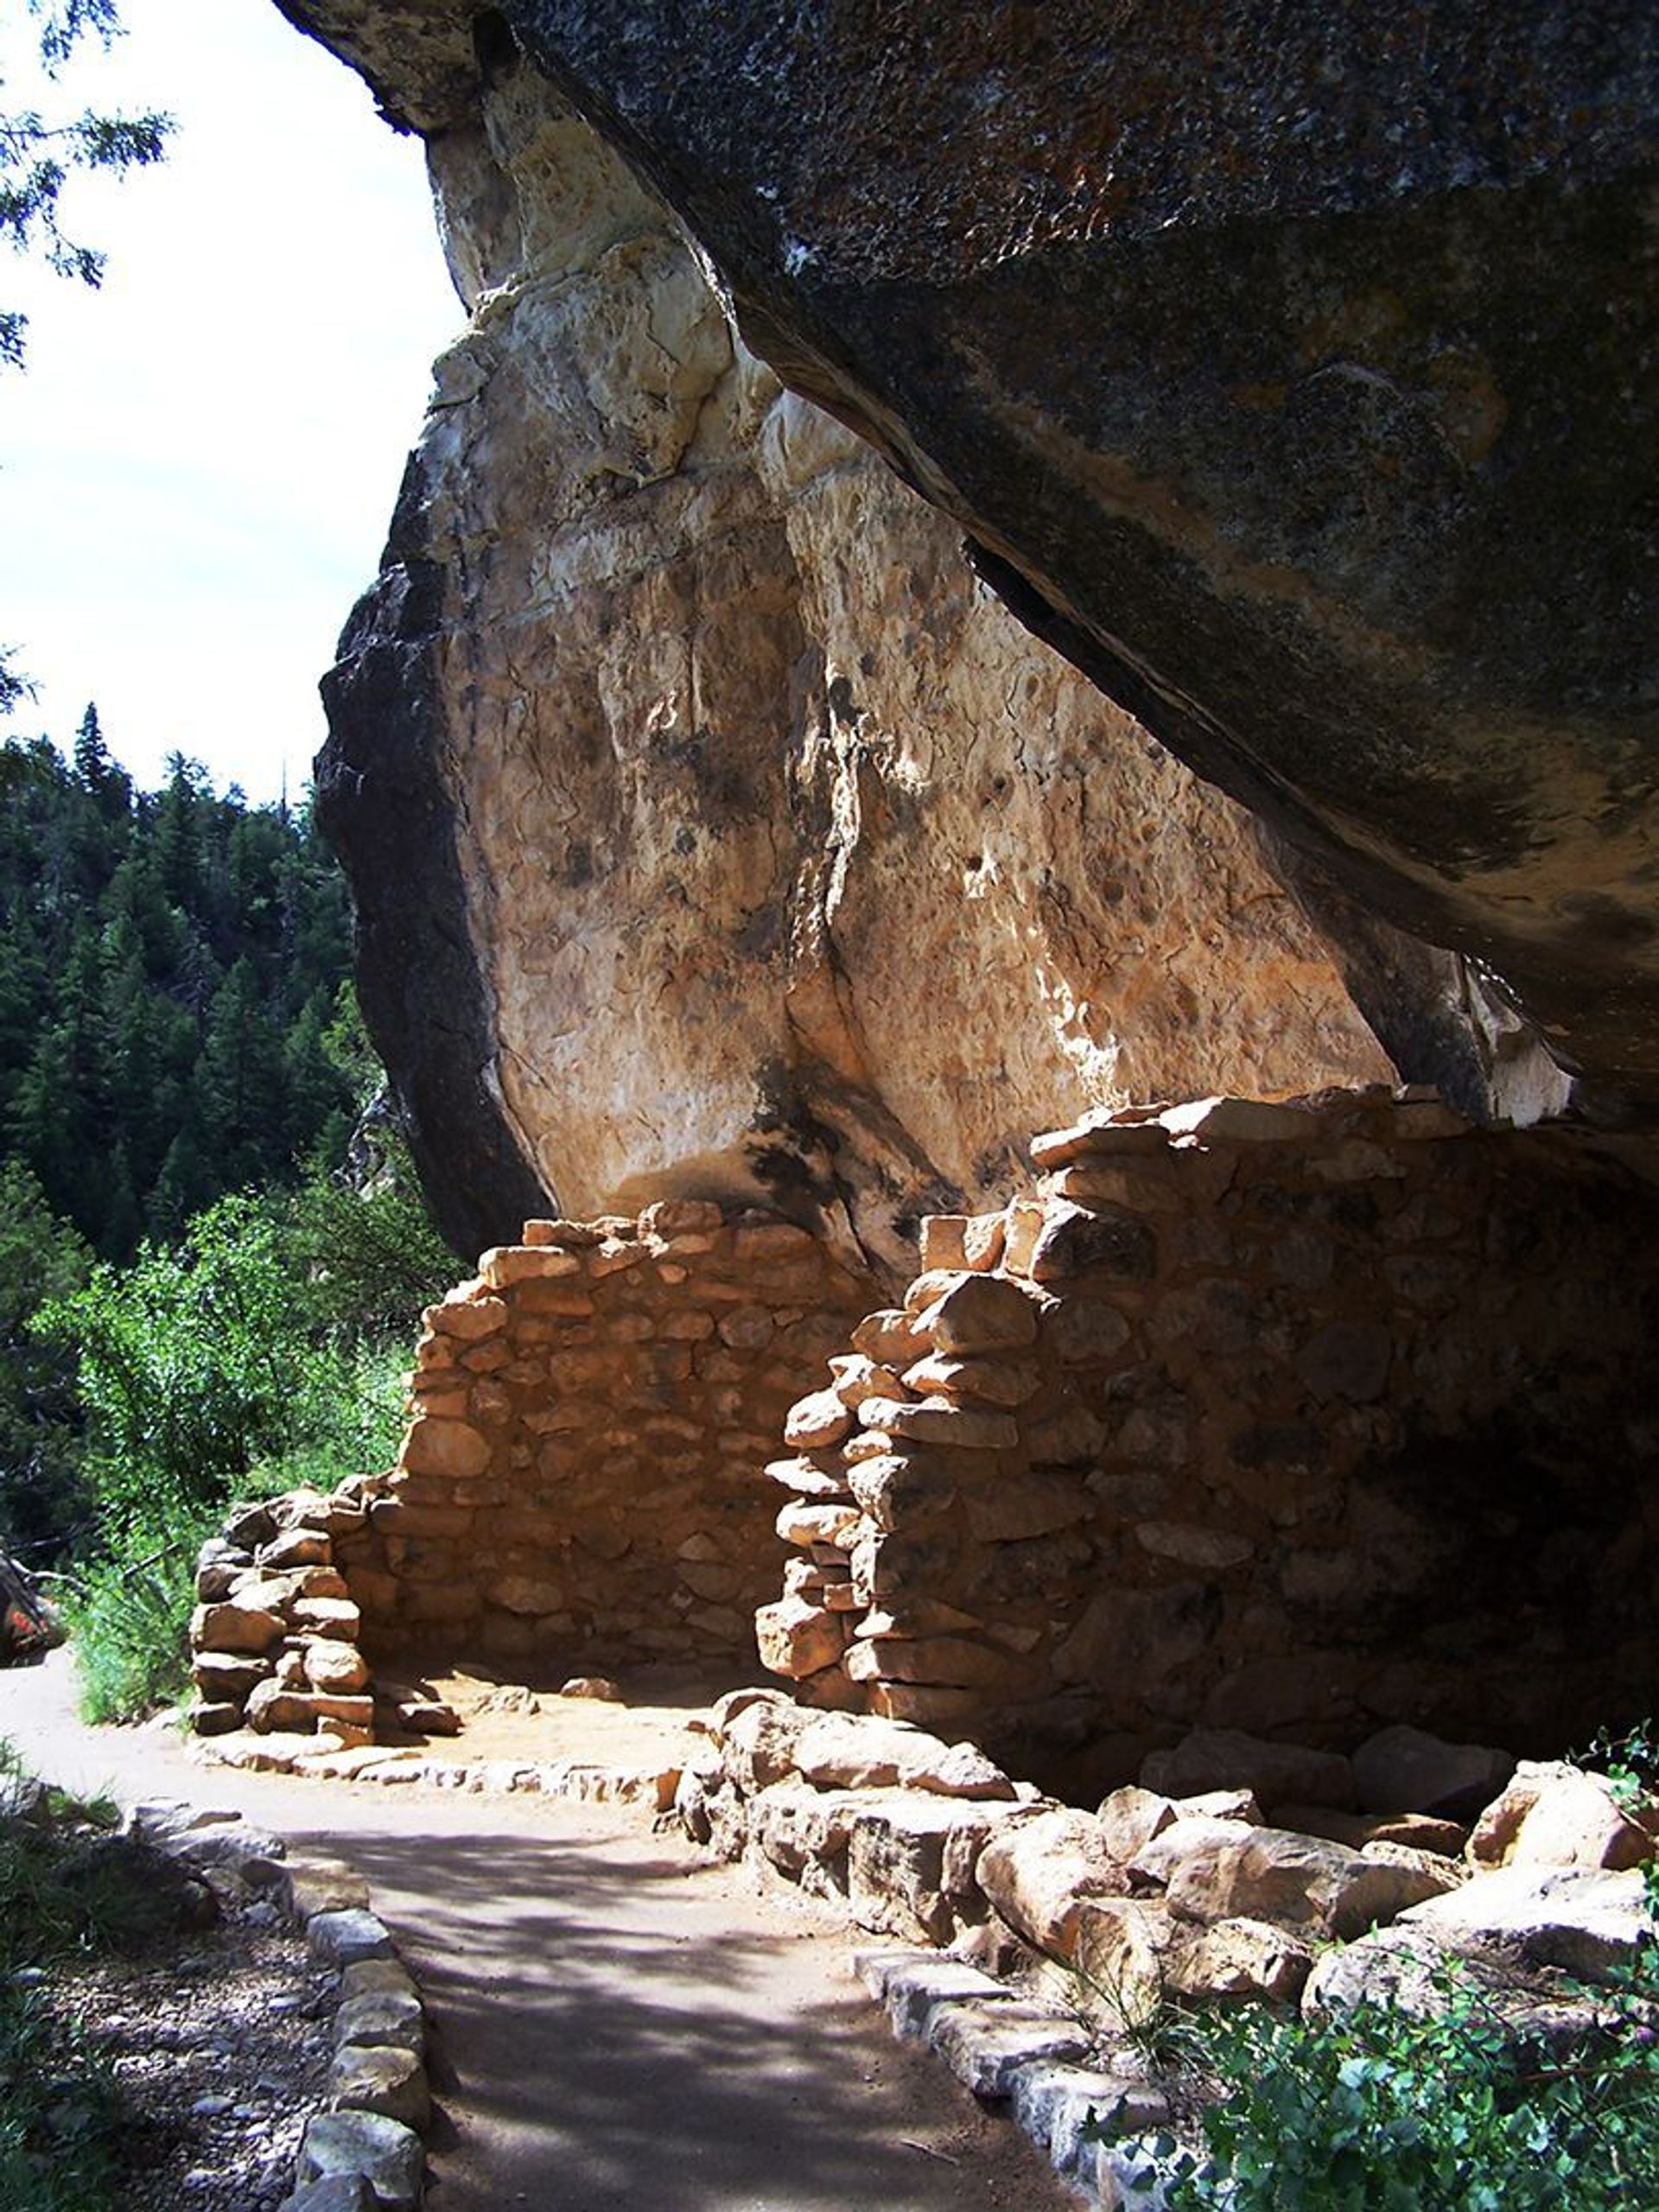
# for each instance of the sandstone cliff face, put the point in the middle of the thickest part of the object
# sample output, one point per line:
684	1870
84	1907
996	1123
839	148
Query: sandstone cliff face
715	831
1296	367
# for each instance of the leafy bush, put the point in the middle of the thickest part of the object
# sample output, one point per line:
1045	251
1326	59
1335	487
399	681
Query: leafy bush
59	2110
129	1617
266	1351
1631	1761
187	1360
1378	2109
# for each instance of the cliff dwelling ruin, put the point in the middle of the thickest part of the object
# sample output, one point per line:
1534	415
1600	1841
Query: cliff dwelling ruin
1055	1252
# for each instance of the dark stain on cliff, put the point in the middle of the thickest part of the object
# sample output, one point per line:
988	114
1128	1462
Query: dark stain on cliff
382	805
1293	365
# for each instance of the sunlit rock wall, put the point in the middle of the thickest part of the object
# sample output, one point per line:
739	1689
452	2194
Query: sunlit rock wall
713	830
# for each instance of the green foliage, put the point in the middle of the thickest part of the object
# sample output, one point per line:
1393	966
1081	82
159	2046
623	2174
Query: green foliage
1630	1760
265	1351
39	152
129	1617
369	1256
171	965
43	1495
182	1075
59	2110
187	1362
1378	2109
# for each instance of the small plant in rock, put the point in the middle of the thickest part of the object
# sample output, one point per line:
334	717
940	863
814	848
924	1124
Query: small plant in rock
1630	1761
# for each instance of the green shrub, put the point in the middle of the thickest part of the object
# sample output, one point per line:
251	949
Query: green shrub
59	2110
1631	1760
266	1351
1380	2110
347	1421
186	1360
129	1617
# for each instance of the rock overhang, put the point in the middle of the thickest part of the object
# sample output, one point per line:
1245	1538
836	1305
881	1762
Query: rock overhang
1329	465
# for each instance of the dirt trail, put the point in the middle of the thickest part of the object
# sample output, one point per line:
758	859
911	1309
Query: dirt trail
618	2022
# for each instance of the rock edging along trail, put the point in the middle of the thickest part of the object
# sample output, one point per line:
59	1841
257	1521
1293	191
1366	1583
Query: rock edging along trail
613	2020
367	2135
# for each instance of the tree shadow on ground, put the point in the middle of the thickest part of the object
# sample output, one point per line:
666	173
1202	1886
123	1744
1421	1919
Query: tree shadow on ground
622	2031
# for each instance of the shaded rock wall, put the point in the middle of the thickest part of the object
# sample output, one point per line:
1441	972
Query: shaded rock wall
1293	366
1316	1416
713	828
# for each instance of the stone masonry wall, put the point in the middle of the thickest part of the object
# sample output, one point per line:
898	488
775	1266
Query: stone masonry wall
1293	1418
582	1479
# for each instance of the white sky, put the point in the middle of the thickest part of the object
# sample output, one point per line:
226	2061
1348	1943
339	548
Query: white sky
198	463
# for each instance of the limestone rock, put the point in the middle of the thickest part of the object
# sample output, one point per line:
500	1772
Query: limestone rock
1041	1874
385	2152
295	1547
333	2193
1006	1382
817	1422
634	472
235	1626
1402	1769
227	1676
346	1938
1225	1870
1093	1241
444	1447
1418	1970
214	1717
598	1687
1331	620
1120	1951
387	2079
759	1743
846	1751
334	1666
1241	1959
1419	1830
796	1639
315	1885
985	2045
941	1420
911	1857
1130	1818
1585	1921
1559	1816
977	1314
1220	1758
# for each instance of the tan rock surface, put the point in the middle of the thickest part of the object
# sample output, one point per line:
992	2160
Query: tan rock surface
1041	1876
783	846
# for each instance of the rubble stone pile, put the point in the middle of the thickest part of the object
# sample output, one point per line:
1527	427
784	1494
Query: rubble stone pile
1296	1416
274	1636
1069	1929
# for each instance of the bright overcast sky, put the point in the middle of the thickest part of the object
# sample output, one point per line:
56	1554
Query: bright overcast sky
198	463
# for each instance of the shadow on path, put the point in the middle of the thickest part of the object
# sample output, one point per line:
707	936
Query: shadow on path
617	2022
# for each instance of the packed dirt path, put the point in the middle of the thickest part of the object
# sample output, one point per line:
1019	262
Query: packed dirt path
618	2023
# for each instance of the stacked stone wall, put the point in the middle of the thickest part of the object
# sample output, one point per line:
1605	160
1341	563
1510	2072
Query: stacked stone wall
583	1479
1293	1418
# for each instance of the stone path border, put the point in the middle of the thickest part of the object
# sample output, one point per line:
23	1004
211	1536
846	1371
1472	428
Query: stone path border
653	1788
363	2148
999	2042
